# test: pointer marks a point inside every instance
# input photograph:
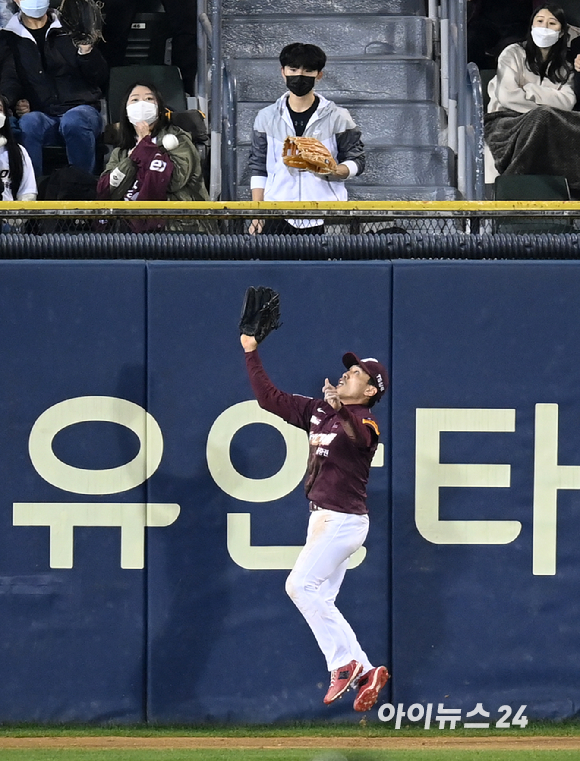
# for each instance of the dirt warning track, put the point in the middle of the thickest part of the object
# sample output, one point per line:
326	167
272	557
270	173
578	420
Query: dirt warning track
273	743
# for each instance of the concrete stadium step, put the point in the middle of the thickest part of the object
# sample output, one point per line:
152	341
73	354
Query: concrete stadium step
264	36
380	123
376	193
388	166
366	79
401	165
402	193
317	7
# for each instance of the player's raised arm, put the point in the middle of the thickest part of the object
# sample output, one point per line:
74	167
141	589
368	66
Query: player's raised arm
261	315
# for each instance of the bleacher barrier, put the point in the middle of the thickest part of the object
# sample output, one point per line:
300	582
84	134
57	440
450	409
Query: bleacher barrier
150	511
354	230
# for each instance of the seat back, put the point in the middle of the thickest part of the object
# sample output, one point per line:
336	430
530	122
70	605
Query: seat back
167	79
571	10
147	40
528	187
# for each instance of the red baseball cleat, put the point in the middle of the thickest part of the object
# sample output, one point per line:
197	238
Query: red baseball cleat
341	679
369	686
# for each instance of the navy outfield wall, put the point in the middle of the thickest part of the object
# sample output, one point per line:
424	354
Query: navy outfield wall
486	404
150	511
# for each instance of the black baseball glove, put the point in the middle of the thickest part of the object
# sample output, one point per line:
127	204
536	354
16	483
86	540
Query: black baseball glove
260	312
83	19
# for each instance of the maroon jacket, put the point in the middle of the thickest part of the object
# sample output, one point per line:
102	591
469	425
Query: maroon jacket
144	175
342	444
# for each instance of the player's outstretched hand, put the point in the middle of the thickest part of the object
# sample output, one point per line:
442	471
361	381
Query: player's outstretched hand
331	395
248	342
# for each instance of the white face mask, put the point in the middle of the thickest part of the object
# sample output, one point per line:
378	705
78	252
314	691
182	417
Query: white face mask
34	8
2	120
544	38
142	111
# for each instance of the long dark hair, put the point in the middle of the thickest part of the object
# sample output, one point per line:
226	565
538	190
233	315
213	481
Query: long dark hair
556	66
127	134
15	161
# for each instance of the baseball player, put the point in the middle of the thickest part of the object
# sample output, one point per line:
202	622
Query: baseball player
343	437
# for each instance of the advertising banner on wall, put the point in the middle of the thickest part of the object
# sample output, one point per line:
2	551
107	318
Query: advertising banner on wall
72	426
150	511
486	472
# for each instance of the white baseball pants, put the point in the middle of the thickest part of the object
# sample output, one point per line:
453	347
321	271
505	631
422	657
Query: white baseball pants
315	580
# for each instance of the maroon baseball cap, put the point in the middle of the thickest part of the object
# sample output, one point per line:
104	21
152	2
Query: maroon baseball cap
373	368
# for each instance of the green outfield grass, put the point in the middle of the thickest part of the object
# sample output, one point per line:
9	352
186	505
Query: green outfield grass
282	755
311	730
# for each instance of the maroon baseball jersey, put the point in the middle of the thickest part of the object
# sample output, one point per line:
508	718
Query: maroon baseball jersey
342	444
151	169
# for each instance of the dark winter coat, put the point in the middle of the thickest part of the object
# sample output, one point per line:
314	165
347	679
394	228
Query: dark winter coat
68	80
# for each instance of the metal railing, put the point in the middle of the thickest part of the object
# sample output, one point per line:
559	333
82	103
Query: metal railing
354	231
204	33
209	68
216	95
474	169
338	213
229	143
461	96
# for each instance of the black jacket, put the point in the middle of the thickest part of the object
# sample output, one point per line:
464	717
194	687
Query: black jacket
69	79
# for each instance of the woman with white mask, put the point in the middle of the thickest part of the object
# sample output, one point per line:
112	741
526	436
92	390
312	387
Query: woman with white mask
530	127
154	161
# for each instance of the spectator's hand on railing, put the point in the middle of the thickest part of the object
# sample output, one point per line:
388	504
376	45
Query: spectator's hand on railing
22	107
256	226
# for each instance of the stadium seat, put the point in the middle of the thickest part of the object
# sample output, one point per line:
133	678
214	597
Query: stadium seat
527	187
571	10
148	36
167	79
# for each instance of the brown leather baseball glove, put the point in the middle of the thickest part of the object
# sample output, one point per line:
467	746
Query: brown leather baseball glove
260	312
308	153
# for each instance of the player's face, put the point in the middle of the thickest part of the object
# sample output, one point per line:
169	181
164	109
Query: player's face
354	386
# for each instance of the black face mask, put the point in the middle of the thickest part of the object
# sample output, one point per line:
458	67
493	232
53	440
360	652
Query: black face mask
299	84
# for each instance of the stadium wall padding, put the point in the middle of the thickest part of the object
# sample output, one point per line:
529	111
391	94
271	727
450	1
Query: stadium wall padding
151	512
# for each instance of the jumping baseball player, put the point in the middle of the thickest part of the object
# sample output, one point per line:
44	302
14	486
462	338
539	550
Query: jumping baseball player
343	437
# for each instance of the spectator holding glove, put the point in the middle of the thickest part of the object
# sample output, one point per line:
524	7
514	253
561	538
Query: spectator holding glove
300	112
